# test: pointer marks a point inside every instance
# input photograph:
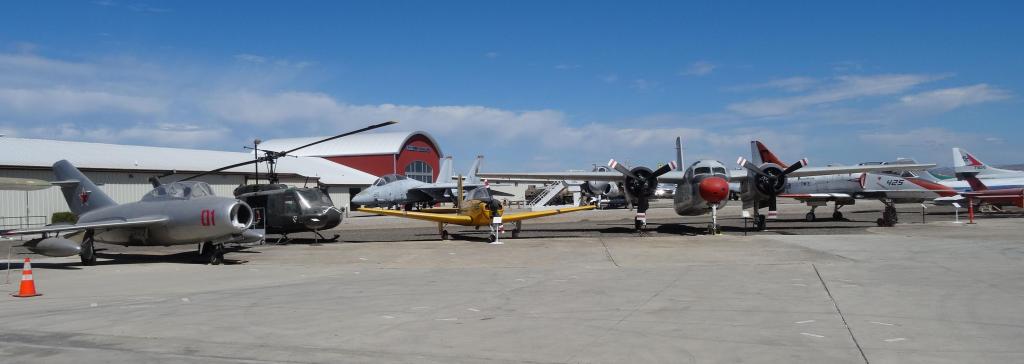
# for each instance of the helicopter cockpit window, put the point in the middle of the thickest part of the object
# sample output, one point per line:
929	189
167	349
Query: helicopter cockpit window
702	170
290	204
719	170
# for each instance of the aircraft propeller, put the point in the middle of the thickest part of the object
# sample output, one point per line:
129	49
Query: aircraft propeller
770	179
641	182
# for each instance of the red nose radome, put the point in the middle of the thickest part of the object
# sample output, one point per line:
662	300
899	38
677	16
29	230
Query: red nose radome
714	189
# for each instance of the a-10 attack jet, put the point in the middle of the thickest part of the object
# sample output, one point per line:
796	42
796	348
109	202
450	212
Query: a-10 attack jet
172	214
704	186
395	190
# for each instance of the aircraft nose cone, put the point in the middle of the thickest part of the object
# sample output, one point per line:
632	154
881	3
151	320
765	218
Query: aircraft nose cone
714	189
361	199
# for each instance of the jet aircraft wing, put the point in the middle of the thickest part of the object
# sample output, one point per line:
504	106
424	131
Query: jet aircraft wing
740	175
446	218
535	214
609	176
103	224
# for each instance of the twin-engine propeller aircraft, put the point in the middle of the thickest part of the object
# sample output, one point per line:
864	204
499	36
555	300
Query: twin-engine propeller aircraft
704	186
480	209
172	214
283	209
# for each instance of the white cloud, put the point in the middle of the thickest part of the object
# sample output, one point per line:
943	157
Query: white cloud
642	84
34	63
699	68
790	84
64	101
952	98
491	55
842	89
251	58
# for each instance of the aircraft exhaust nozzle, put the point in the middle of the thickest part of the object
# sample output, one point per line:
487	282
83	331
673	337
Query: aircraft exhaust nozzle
714	189
54	247
241	216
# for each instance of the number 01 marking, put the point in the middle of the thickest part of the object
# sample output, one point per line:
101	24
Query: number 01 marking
208	218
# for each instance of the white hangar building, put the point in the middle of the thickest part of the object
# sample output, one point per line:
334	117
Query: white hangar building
123	172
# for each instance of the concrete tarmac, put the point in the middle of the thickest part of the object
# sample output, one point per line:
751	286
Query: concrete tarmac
584	292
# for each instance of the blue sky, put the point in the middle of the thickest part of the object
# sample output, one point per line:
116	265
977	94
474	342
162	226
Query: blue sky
532	85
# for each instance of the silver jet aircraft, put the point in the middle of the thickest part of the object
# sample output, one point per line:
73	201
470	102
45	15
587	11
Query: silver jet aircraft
397	190
172	214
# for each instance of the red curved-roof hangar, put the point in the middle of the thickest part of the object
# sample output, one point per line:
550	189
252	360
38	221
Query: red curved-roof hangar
414	154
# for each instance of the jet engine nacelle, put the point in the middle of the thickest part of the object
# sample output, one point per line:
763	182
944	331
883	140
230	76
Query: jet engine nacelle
54	247
773	185
644	185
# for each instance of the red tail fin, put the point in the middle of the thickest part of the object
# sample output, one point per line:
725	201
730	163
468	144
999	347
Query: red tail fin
767	156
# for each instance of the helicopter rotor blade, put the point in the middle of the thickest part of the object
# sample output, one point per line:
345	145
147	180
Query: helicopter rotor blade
368	128
224	168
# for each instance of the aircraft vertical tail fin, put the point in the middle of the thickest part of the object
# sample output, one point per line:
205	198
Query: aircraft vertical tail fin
444	171
81	194
760	154
965	162
679	154
474	169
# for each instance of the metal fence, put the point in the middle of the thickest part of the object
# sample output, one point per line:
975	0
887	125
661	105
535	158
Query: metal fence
21	222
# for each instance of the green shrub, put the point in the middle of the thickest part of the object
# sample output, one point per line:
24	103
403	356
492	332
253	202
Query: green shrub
63	217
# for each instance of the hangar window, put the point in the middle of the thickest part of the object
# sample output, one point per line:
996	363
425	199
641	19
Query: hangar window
420	171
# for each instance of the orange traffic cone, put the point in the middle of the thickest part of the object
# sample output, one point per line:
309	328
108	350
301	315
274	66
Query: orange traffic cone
28	285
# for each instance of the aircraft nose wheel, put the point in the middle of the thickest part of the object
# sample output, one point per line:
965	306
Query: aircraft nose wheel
492	238
837	216
212	254
809	217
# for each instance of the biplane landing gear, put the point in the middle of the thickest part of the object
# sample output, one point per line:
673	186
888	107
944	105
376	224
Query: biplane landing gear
88	253
211	254
889	216
492	238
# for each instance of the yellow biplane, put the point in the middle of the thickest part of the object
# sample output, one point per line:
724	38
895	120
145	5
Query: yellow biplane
479	210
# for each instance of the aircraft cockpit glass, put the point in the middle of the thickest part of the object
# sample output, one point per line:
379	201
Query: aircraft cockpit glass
383	180
702	170
719	170
179	191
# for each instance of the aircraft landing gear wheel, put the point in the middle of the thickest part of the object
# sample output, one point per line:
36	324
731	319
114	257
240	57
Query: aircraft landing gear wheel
837	216
88	253
638	225
809	217
761	223
492	238
444	234
212	254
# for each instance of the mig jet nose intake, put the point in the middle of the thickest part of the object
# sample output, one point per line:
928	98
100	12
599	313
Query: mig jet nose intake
241	216
714	189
